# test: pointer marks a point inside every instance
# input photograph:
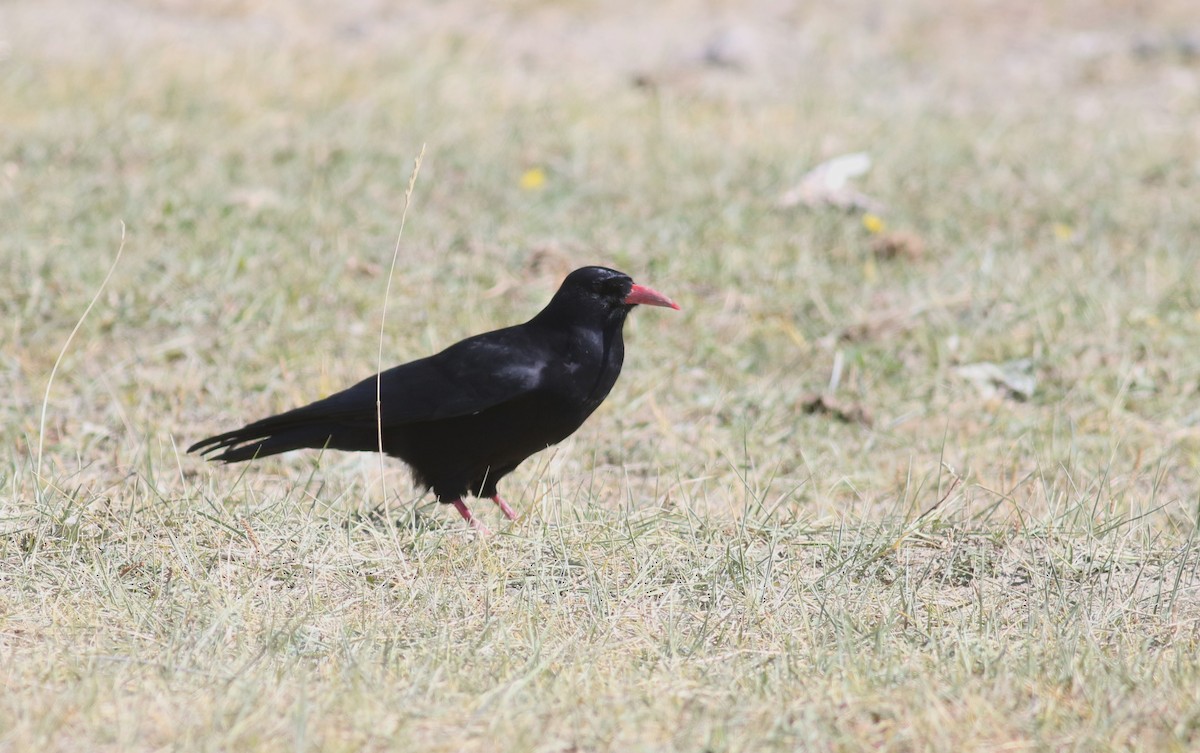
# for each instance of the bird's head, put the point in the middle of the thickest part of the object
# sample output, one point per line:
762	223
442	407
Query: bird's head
603	293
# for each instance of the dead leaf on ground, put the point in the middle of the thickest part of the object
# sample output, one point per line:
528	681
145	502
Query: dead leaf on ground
363	268
549	259
828	405
1013	379
828	185
874	328
898	245
736	48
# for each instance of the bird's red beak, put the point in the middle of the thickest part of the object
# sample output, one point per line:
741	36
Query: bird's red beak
650	297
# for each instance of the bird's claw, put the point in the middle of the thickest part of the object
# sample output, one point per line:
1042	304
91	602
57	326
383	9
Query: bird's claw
467	516
504	508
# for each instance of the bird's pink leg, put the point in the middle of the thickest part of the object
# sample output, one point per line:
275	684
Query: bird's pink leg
504	508
467	516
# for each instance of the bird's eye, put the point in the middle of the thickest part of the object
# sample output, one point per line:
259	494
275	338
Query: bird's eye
614	286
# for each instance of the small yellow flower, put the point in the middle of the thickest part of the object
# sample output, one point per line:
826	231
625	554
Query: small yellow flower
1063	231
873	223
533	179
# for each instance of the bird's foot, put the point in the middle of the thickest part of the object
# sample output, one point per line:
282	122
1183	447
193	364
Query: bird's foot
504	508
467	516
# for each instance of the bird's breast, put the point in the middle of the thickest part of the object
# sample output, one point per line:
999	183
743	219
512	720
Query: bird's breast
590	365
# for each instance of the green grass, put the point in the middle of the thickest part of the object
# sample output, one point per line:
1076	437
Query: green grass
705	565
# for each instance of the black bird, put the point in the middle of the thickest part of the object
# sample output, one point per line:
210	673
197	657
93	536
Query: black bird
466	417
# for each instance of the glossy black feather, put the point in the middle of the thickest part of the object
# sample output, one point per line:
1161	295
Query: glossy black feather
467	416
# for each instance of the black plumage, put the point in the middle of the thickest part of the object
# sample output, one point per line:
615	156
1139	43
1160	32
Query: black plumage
464	418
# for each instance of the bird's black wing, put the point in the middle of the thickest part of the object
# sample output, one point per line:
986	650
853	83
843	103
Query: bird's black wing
468	377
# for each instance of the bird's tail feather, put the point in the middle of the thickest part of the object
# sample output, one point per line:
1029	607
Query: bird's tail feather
294	430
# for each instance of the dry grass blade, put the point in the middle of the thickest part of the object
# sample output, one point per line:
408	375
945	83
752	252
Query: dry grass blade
61	353
387	293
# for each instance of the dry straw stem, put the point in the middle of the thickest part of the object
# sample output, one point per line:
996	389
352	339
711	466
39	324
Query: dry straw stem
387	293
61	353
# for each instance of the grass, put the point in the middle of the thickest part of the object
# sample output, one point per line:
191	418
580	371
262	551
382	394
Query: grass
707	564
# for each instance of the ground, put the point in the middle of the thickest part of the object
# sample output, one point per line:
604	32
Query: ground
919	473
